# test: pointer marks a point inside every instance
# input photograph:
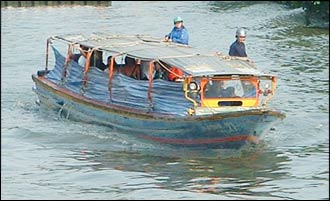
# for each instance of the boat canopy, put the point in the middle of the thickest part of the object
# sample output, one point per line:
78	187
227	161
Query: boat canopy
193	61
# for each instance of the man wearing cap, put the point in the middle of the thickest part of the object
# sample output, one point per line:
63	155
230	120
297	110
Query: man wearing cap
179	33
238	47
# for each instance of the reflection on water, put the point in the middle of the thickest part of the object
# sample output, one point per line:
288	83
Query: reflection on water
47	156
254	173
241	174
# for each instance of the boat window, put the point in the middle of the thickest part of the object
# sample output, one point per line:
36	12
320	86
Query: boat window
169	72
249	90
120	60
145	70
229	89
97	60
158	71
76	53
125	65
230	103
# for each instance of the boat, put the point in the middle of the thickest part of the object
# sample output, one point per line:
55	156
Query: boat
215	101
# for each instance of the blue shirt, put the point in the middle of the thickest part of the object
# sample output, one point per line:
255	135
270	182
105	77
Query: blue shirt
249	93
179	35
237	49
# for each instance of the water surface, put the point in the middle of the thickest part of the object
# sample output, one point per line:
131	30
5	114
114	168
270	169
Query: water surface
44	156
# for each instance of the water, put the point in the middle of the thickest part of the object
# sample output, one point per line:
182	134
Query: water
46	157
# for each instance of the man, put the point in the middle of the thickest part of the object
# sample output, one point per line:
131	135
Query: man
83	55
97	60
179	33
237	48
215	89
248	89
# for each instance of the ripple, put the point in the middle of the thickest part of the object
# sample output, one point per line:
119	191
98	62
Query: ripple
47	156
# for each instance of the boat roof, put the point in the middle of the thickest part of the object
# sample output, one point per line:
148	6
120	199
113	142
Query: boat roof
191	60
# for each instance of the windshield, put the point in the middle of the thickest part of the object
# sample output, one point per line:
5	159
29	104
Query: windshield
229	89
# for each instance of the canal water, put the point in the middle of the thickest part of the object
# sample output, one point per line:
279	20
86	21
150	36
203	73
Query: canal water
44	156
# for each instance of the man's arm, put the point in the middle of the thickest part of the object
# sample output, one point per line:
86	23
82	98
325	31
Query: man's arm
168	36
184	39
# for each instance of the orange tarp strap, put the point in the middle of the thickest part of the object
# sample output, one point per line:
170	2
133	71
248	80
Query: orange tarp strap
87	64
110	76
151	69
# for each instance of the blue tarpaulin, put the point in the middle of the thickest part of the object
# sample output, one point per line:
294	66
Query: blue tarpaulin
167	97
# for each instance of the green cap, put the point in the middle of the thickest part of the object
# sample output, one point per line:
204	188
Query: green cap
177	19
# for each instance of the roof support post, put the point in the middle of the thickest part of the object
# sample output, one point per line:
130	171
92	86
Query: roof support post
47	52
270	91
66	63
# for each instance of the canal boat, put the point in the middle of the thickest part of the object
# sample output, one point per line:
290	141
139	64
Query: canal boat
158	92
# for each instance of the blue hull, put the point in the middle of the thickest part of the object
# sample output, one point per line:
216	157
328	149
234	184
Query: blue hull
223	130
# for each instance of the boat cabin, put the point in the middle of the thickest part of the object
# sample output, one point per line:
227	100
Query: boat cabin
141	70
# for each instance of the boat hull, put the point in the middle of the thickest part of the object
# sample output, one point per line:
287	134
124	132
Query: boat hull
228	129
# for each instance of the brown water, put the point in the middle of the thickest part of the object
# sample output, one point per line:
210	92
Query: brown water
46	157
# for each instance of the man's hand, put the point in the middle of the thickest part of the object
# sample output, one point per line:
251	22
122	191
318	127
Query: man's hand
167	39
250	61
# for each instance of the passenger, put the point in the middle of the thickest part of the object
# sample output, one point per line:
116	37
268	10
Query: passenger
145	70
129	61
249	90
179	33
115	65
175	74
109	61
229	92
214	89
130	69
82	59
97	60
159	72
75	57
237	48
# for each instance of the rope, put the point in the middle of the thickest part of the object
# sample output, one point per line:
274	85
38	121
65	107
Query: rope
227	57
179	76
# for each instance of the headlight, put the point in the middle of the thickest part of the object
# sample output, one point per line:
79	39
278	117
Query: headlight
193	86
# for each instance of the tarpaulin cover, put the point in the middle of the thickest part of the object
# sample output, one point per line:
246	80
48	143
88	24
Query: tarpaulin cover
167	97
